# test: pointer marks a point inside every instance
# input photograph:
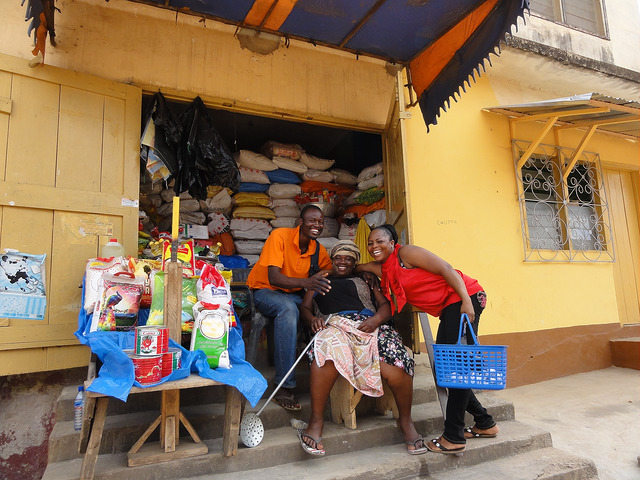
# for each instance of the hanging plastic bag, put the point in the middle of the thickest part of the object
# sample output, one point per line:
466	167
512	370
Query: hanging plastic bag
203	157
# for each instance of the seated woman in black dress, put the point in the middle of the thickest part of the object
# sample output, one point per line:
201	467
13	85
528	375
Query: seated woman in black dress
358	344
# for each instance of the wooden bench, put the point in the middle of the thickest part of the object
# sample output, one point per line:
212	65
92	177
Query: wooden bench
169	446
344	400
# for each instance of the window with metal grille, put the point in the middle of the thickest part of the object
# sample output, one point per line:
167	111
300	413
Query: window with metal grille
585	15
564	212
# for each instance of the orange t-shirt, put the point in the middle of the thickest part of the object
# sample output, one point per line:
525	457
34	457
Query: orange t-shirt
282	249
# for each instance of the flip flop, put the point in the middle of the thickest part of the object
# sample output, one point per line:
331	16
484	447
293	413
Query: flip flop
470	433
416	450
287	400
439	448
316	452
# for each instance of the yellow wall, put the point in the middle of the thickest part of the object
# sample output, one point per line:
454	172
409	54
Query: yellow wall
463	196
153	49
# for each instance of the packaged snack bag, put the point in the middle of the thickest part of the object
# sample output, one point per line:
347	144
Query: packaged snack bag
185	256
118	303
94	271
189	299
214	291
143	268
211	335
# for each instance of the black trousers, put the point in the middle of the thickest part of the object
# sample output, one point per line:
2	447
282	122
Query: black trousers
461	400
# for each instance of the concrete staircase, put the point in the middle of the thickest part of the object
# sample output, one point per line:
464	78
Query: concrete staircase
375	450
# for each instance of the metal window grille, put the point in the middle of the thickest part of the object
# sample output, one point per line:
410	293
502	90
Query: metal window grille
564	214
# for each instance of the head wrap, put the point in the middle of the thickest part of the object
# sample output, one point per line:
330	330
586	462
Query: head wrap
345	247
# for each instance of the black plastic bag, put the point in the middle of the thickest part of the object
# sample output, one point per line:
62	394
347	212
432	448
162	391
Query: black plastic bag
167	133
203	157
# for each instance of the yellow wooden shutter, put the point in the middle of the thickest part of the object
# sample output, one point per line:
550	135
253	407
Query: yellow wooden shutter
69	179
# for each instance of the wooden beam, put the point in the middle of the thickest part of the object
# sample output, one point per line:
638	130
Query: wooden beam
361	23
574	158
88	468
589	123
534	144
617	108
5	105
559	114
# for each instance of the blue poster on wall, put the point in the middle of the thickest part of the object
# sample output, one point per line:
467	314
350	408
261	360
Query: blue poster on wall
22	285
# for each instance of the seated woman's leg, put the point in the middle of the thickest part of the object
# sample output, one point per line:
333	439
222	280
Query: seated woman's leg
396	368
401	384
322	381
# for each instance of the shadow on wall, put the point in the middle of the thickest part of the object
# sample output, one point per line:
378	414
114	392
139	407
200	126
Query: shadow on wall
27	417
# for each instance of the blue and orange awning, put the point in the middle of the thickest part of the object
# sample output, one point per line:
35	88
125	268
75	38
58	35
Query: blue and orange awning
442	42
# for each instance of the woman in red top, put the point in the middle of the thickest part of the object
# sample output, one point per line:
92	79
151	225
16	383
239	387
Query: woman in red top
418	277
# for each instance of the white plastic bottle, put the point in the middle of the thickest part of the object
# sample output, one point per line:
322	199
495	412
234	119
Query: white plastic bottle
112	249
78	408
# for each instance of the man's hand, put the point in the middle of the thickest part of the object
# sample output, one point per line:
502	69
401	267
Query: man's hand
372	281
318	283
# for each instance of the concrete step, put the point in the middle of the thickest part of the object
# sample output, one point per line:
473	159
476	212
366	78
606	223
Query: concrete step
126	421
122	430
544	464
625	352
374	450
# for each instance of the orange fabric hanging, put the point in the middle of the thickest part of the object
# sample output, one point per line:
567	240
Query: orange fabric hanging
428	65
260	9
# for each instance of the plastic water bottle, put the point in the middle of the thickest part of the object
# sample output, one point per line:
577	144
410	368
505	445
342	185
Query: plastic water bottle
112	249
78	408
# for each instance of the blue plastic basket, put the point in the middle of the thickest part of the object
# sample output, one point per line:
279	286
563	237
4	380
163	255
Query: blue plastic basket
483	367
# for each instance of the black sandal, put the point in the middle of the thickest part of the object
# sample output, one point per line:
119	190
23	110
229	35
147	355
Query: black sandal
287	400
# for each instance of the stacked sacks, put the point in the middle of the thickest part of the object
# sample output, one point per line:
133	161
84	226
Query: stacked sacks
156	206
367	201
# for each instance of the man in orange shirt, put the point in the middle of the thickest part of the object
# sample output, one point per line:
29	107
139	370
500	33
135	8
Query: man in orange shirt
286	269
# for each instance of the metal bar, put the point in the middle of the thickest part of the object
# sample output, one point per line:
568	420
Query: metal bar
574	158
535	143
361	23
428	340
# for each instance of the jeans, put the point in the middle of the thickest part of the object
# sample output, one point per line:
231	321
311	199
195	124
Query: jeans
461	400
282	307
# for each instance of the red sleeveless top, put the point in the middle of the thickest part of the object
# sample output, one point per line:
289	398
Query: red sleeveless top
424	290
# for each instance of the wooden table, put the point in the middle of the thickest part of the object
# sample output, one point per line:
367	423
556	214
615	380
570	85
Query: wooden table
169	447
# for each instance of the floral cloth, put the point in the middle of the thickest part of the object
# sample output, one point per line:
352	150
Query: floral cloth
391	350
353	352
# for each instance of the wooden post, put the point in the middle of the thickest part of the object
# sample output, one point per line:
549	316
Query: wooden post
88	468
428	340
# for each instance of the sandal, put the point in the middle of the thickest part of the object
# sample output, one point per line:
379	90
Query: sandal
287	400
469	432
316	452
417	450
439	448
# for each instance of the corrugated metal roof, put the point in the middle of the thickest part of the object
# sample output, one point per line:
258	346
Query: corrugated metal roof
612	115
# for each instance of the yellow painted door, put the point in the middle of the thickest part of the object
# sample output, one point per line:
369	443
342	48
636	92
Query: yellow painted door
69	179
396	200
622	190
394	167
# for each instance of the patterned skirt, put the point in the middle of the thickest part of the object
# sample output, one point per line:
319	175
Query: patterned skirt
391	350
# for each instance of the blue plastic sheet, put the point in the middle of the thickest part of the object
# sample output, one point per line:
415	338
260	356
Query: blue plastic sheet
116	376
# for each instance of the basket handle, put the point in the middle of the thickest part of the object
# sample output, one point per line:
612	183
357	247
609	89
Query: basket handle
465	319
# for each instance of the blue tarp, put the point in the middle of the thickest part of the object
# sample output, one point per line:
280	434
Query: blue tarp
116	376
